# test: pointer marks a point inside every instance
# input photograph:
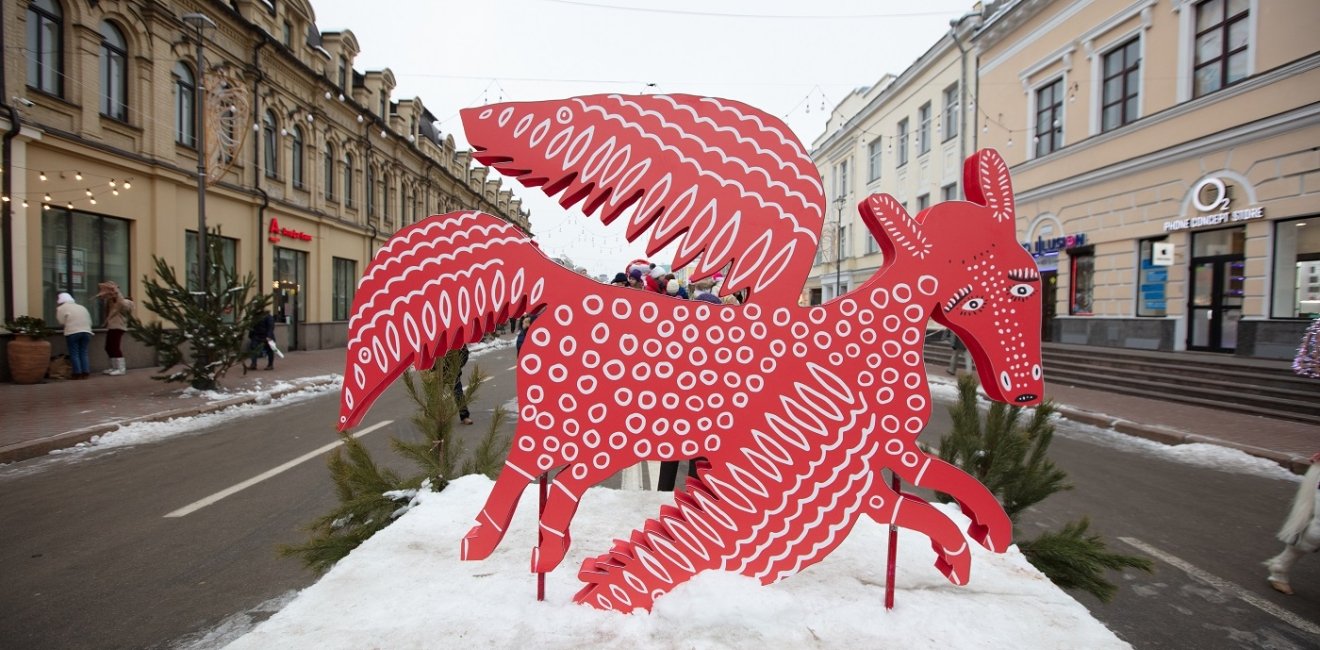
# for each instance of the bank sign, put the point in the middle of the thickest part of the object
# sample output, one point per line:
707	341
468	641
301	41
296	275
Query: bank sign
1214	189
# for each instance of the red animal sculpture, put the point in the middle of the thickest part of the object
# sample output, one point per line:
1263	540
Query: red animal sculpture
793	410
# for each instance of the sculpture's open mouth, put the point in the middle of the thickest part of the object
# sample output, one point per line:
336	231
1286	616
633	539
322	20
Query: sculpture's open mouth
1025	397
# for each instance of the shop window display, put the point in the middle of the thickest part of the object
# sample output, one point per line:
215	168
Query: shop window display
1296	281
1083	283
1151	281
78	250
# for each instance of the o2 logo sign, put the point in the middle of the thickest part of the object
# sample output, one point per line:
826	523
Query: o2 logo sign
1214	189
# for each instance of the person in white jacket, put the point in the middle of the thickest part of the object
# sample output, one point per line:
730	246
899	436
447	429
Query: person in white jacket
1301	530
77	322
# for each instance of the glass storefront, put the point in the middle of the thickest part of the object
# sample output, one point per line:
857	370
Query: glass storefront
1218	289
1152	280
79	250
1296	279
290	288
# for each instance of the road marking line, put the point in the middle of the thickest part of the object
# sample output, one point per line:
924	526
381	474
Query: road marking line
1224	585
511	368
198	505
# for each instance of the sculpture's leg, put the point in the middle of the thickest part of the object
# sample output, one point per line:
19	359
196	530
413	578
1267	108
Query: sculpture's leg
952	556
990	524
565	493
519	470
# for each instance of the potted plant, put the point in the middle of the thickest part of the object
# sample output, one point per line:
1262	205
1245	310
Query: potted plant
29	352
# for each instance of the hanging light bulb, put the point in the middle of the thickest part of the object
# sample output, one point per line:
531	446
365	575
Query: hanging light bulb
128	185
309	117
77	175
112	182
69	205
327	94
47	197
4	198
1010	140
25	203
93	201
115	192
284	132
45	206
256	127
41	175
382	133
88	191
360	119
341	97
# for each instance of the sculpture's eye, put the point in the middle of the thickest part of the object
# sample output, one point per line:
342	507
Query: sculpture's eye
974	305
1020	291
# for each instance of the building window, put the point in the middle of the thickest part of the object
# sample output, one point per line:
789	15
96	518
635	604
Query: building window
923	202
288	34
1122	85
873	160
1151	280
1222	40
228	254
384	103
1049	118
296	162
78	250
1082	296
923	133
343	72
951	112
1296	279
902	142
270	145
815	296
45	47
949	192
329	178
385	198
291	278
345	283
114	78
348	179
371	191
841	179
185	115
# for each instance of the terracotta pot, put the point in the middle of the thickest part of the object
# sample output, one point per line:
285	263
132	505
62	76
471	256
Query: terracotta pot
29	358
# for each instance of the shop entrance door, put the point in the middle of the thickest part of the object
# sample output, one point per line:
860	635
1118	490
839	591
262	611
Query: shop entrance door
1217	291
1049	286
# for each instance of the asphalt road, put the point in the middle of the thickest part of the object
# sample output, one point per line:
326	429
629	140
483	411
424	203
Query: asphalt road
91	561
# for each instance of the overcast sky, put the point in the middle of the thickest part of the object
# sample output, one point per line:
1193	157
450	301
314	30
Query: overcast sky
795	60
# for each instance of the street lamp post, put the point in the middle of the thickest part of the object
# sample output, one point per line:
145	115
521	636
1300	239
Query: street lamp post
201	22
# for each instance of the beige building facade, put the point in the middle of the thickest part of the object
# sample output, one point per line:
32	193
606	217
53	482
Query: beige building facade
904	135
311	164
1166	159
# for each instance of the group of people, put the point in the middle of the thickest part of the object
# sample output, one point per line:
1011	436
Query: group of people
649	277
77	324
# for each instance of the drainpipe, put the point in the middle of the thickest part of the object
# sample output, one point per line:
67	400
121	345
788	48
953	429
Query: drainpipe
962	86
261	243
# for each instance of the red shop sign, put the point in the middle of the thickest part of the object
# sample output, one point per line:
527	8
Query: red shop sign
276	231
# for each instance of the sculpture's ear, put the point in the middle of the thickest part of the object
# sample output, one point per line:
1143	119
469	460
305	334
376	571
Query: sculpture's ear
986	181
891	225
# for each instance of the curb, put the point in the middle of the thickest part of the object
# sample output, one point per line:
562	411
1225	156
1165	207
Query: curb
1168	436
41	446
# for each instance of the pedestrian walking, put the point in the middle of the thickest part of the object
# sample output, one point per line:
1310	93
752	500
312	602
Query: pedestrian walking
77	322
464	415
1301	530
117	310
260	340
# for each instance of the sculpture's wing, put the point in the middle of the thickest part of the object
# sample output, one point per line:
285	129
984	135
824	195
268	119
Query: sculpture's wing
729	183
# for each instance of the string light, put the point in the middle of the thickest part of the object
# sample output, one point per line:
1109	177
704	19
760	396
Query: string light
47	197
88	191
128	185
42	175
112	182
77	176
25	203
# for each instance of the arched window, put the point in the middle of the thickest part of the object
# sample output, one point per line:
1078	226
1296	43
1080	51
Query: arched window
185	113
270	145
329	179
296	164
371	190
45	47
385	196
348	179
114	73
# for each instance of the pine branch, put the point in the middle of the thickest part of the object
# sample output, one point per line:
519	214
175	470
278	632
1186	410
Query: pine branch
1073	559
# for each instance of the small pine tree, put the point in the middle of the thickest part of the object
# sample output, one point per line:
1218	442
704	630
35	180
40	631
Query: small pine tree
371	497
210	326
1011	462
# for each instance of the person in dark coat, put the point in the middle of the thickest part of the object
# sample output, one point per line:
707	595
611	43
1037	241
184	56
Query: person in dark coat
259	339
464	415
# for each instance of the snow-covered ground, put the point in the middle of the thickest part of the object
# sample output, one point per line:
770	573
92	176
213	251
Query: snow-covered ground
407	588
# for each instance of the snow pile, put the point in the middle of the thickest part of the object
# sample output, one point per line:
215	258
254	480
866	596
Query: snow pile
406	588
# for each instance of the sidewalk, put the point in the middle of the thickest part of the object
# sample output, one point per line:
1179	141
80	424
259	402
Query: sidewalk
34	419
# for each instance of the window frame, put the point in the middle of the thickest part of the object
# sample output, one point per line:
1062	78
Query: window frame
297	160
874	159
348	180
1223	26
902	138
952	111
45	17
1127	70
841	179
949	192
114	96
1310	221
344	277
270	157
185	105
94	261
1075	270
1145	270
328	173
1056	109
923	128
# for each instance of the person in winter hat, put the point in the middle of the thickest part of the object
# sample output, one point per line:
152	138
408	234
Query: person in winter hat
656	280
675	290
117	310
704	292
77	322
259	339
